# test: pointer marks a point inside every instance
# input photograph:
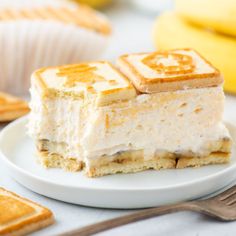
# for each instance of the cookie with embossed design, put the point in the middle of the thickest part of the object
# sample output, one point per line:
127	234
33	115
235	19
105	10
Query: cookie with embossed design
63	99
169	70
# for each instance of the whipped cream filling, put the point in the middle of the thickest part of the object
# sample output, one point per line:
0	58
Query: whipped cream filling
59	121
177	122
181	121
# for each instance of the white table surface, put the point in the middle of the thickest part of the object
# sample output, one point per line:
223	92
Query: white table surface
132	32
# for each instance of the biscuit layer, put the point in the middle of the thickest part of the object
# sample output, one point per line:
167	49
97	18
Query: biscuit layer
131	162
127	165
96	81
169	71
135	161
54	160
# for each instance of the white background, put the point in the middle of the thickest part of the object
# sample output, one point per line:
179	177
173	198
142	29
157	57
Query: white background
132	33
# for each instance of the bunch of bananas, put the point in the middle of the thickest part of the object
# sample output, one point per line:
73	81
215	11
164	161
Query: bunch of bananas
207	26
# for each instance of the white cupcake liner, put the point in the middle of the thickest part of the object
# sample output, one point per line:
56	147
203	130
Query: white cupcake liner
28	45
35	3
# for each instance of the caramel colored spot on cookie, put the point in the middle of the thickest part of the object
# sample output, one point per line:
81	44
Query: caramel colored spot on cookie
107	121
112	82
11	209
183	105
197	110
81	73
169	63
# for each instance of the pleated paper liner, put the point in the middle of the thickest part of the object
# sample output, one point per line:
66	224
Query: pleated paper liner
26	45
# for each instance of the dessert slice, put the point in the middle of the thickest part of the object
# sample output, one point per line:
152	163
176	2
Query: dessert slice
11	107
19	216
64	102
175	126
92	115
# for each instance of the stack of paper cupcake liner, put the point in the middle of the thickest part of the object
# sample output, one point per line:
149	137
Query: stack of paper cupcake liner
26	45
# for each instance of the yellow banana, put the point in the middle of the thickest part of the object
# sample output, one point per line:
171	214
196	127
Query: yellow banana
94	3
170	31
219	15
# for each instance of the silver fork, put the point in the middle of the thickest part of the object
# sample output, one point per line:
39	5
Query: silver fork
221	207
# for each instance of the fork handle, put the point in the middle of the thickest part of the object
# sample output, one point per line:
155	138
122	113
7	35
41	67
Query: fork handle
130	218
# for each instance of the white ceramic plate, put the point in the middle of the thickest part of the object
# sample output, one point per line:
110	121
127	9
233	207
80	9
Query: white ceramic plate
144	189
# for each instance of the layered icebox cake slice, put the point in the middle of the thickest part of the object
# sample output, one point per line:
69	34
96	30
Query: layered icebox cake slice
65	104
167	114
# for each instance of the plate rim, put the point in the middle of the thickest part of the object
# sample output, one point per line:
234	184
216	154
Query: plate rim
22	121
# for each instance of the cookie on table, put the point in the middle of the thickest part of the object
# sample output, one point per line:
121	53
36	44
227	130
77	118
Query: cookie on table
12	107
20	216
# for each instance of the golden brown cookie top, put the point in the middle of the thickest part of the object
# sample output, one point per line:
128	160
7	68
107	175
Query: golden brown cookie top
21	215
169	70
99	79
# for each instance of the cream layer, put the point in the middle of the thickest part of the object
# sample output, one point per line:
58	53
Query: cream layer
185	121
